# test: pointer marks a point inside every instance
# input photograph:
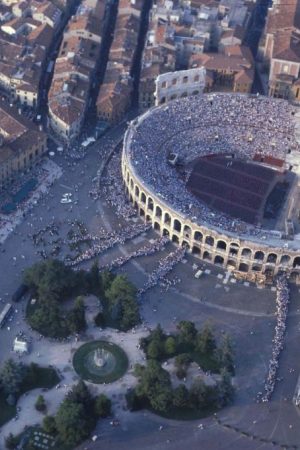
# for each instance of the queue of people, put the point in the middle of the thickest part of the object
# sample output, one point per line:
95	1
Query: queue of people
282	300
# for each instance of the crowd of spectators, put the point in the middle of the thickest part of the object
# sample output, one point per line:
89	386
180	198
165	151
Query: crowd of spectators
242	126
165	266
282	300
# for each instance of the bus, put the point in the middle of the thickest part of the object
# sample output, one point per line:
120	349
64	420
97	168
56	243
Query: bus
5	313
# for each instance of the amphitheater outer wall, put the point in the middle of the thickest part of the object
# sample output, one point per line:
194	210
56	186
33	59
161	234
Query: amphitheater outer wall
210	245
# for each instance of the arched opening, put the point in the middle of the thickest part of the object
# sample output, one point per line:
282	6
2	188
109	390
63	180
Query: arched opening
256	267
196	250
233	249
148	218
294	277
156	226
165	232
285	260
142	212
137	191
272	258
221	245
150	204
136	206
163	100
269	272
231	264
175	239
131	183
177	225
296	262
259	256
195	93
219	260
130	198
185	244
187	231
209	241
158	212
127	178
167	220
173	97
207	256
198	236
143	197
243	267
246	253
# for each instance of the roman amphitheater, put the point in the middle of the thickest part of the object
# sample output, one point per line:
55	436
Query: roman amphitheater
219	174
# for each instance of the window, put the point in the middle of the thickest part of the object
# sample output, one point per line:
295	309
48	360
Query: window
174	81
196	78
185	79
285	68
164	84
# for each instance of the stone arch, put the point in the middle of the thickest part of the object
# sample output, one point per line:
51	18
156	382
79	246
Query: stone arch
233	248
148	218
196	250
198	236
221	245
207	256
296	262
209	240
294	276
136	206
259	255
156	226
177	225
127	177
285	260
219	260
272	258
175	239
246	252
185	244
243	267
150	204
166	232
158	212
163	100
137	191
256	267
143	197
231	264
131	198
131	183
167	219
187	231
142	212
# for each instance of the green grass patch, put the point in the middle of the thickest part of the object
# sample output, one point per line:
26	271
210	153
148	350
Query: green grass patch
185	413
82	367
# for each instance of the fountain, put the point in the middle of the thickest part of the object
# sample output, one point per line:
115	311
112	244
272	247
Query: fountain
100	357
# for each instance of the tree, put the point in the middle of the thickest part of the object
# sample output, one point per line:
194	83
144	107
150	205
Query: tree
11	442
206	343
154	350
71	423
94	279
76	319
154	385
187	333
197	394
225	354
40	404
225	388
49	425
182	363
170	346
122	304
181	397
11	376
102	406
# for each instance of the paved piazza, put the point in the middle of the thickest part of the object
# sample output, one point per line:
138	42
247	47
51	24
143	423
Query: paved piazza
245	311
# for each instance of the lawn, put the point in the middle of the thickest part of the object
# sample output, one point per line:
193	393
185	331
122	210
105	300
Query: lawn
40	377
